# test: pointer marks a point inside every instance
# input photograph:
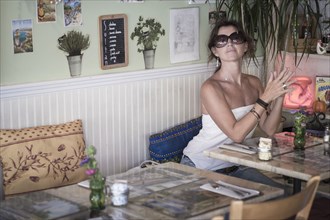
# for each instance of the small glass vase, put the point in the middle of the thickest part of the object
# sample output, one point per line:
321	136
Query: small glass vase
97	194
299	134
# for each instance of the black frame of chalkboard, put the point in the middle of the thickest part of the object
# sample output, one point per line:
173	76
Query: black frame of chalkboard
103	47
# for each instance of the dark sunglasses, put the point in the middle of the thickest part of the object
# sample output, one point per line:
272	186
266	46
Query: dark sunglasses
222	40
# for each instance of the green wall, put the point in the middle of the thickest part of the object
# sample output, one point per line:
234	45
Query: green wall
47	62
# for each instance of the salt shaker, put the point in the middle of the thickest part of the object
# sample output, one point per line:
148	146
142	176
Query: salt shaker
326	140
326	136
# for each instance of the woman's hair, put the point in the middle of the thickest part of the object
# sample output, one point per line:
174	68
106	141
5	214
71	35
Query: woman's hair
224	23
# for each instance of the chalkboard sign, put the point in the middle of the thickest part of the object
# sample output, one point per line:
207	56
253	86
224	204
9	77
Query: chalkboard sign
113	41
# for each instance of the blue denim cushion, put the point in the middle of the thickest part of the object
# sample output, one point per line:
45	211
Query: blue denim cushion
169	144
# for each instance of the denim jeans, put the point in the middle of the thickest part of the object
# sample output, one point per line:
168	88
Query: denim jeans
246	173
243	172
186	161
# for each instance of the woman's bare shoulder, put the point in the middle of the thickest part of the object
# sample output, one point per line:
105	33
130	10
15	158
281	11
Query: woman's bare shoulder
211	84
252	79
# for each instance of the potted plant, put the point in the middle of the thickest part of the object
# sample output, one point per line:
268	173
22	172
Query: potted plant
73	43
147	32
272	24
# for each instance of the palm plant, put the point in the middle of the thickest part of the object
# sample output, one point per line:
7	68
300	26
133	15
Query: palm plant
271	23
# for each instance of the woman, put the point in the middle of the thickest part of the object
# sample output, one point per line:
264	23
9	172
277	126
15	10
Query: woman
234	103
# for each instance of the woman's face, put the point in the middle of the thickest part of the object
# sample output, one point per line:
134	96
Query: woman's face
235	47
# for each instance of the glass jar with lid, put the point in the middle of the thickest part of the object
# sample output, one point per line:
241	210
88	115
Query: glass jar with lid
264	154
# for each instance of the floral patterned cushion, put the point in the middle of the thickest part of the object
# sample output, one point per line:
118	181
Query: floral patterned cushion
42	157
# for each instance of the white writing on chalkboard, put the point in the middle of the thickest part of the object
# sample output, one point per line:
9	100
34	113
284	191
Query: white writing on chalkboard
113	40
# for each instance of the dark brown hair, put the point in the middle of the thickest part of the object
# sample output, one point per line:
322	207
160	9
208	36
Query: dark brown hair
224	23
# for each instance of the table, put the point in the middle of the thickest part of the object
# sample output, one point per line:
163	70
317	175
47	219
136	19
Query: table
300	165
175	188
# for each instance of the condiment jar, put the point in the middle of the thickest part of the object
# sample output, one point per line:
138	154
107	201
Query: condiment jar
119	193
264	154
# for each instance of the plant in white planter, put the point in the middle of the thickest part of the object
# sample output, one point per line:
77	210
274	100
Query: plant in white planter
73	43
148	32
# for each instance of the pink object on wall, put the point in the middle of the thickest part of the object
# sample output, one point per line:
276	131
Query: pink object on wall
302	96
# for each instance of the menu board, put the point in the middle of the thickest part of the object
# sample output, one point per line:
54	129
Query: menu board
113	41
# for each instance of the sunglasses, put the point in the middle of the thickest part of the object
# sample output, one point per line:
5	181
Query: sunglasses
222	40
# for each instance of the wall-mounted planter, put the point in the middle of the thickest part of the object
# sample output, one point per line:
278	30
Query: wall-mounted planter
149	58
75	63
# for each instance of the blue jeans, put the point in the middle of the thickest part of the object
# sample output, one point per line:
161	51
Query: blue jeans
246	173
243	172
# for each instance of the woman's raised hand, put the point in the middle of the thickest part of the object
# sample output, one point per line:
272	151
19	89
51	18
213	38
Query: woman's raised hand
278	85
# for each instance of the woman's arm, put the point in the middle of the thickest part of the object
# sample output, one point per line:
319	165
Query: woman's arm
216	105
269	122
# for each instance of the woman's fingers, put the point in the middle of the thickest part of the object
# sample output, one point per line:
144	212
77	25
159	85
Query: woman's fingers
271	77
287	90
285	79
279	84
286	75
290	82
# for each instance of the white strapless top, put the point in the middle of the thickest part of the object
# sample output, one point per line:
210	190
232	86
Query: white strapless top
210	137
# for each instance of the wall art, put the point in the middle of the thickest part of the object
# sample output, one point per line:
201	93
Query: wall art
22	36
113	41
184	34
216	15
200	1
132	1
72	13
46	11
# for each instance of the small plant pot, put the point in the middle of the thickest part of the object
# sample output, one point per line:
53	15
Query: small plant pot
149	58
75	65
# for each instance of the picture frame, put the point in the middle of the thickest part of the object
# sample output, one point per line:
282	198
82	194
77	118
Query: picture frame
72	14
217	16
22	30
113	41
184	34
132	1
191	2
45	11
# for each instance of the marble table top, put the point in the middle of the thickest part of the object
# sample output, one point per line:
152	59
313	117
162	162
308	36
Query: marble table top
286	161
175	188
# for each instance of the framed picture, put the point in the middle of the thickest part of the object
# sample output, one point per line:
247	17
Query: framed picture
46	11
184	34
22	36
113	41
132	1
216	16
200	1
72	13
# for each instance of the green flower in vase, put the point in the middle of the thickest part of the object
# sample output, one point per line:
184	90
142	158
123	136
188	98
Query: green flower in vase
300	129
97	181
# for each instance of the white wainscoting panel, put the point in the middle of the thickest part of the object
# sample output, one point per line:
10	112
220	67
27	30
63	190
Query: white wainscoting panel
119	111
